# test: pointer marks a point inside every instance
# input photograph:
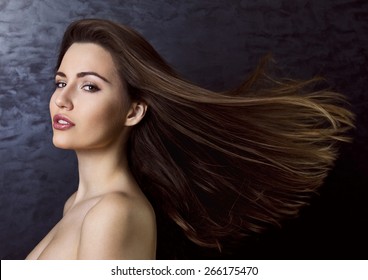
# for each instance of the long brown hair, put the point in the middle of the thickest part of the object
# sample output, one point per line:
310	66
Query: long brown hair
221	165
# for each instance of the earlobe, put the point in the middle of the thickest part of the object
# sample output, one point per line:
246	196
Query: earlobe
136	113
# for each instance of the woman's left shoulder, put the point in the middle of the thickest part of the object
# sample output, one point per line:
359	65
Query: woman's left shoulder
118	226
122	207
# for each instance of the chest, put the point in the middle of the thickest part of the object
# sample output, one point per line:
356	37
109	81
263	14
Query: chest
63	240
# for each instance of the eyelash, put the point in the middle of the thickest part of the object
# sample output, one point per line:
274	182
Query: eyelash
60	84
91	87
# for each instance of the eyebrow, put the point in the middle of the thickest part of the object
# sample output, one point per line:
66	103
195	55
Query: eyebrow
83	74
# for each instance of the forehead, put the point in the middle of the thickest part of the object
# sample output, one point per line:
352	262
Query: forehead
88	57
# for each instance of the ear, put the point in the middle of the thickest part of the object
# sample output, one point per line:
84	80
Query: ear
135	113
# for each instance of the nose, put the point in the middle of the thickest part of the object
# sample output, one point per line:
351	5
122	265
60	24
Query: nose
63	101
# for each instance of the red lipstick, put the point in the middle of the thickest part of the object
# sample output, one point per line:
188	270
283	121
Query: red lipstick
62	123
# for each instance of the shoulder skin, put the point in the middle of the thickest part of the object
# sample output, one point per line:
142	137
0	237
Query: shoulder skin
118	227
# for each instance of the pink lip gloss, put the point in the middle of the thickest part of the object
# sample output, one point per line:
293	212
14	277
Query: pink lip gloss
62	123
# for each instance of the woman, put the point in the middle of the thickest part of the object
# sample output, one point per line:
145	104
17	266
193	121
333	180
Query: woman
152	147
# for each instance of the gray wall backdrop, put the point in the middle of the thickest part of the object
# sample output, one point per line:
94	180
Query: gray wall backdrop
215	44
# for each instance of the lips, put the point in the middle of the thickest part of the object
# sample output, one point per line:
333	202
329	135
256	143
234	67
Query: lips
62	123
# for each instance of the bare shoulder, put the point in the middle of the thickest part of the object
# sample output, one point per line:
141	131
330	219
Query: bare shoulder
122	207
119	226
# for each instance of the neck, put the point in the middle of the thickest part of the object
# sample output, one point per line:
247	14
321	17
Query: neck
102	171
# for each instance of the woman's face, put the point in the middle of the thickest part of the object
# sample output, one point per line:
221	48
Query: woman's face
90	102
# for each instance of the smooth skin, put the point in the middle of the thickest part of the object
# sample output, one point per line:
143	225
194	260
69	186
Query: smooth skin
108	217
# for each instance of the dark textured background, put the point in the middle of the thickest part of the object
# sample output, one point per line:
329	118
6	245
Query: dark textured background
215	44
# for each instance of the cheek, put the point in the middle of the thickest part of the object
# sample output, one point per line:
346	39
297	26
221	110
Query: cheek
106	118
52	105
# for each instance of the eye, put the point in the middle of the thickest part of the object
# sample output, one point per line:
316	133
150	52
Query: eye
90	88
60	84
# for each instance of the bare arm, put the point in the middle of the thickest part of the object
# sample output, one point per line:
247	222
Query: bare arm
118	228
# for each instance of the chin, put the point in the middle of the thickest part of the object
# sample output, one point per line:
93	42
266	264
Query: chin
62	143
62	146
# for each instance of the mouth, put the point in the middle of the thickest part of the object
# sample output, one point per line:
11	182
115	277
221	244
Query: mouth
61	122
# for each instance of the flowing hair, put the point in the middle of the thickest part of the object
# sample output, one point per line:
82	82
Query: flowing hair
221	165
